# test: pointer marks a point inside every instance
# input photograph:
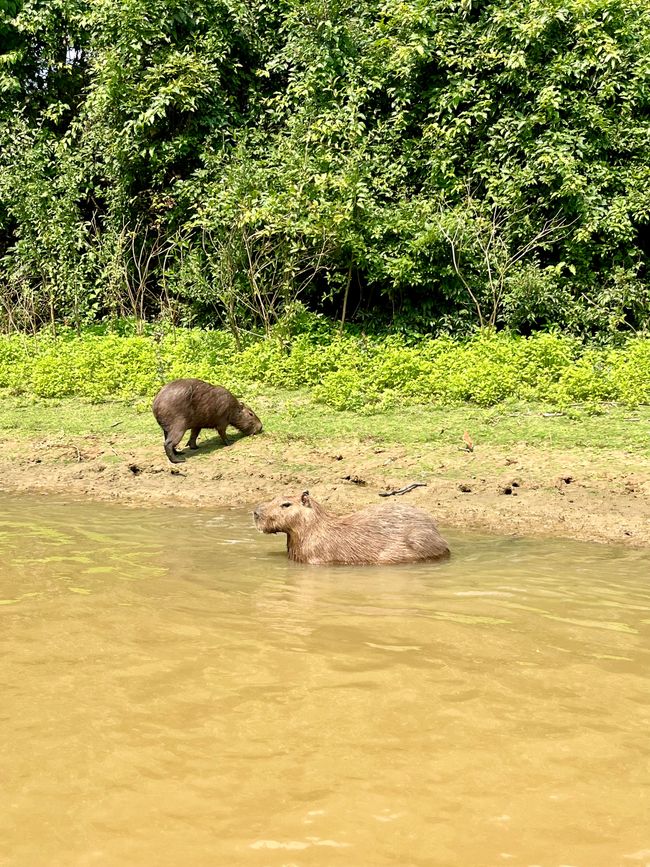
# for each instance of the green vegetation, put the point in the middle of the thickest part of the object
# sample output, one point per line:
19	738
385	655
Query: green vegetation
343	371
435	165
294	416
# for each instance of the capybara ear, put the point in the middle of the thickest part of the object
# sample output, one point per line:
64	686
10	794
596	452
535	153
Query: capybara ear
304	499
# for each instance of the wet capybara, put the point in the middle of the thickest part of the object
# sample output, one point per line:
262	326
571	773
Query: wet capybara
381	534
192	404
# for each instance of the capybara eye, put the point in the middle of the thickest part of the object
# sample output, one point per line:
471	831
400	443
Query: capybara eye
285	505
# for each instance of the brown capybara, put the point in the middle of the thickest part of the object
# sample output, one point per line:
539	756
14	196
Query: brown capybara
381	534
192	404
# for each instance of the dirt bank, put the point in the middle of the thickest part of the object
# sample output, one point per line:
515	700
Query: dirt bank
597	495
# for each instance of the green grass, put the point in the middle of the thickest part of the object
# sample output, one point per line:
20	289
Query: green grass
293	415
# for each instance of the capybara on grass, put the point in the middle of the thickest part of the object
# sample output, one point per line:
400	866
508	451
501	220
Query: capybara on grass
380	534
192	404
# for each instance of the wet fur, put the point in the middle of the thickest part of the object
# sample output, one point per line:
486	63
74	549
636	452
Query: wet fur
379	534
192	404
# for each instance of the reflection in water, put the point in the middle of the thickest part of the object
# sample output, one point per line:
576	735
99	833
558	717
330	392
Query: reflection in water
175	691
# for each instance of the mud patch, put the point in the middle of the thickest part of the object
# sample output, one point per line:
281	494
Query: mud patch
583	494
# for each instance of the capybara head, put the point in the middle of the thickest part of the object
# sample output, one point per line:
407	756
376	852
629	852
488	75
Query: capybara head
286	514
245	420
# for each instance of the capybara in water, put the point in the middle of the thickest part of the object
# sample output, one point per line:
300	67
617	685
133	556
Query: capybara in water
192	404
380	534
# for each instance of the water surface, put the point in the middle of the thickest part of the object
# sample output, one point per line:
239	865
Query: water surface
175	692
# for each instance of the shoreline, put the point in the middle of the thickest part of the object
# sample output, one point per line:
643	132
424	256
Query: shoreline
523	490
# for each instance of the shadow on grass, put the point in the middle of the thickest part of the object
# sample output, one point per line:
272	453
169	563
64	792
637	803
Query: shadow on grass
210	443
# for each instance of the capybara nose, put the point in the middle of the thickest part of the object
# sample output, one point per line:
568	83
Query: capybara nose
256	513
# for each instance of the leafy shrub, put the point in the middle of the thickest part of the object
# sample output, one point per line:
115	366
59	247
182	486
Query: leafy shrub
629	373
349	372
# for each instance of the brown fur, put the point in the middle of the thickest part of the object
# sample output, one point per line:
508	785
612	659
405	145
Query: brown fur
381	534
191	404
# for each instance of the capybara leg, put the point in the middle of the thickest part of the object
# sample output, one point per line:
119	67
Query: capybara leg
222	433
192	440
172	454
174	436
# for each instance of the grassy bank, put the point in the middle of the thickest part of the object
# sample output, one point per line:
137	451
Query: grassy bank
340	371
295	416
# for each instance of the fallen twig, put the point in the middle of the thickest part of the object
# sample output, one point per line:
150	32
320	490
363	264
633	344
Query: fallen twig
401	491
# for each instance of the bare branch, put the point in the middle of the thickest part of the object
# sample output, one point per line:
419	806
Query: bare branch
489	238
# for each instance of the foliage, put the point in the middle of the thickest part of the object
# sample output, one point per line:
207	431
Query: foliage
348	372
216	161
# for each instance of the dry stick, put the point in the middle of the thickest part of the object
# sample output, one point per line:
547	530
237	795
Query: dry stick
455	257
226	291
252	276
402	490
170	246
316	269
345	296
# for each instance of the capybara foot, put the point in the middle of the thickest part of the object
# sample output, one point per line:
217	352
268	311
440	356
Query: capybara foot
173	455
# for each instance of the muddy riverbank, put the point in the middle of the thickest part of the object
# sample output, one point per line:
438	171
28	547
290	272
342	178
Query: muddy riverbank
590	495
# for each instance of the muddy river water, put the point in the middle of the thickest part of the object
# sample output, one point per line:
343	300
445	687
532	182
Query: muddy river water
174	692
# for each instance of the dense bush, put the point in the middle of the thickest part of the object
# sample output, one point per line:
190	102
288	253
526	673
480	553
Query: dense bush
445	163
353	372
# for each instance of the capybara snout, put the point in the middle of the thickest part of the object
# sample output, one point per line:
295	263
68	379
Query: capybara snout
246	421
265	522
192	404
